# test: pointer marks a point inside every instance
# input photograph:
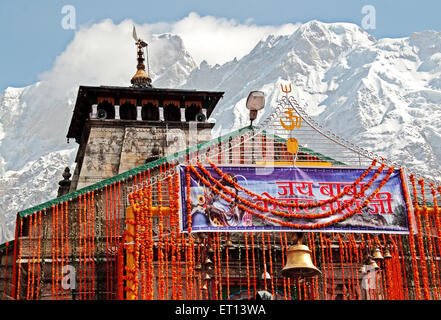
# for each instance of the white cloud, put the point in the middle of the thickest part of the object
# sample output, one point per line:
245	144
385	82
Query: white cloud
219	40
104	54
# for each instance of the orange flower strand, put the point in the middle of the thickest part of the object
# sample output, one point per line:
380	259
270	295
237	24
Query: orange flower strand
296	205
290	215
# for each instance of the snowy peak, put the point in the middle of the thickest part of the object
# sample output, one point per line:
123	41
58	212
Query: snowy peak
384	95
172	64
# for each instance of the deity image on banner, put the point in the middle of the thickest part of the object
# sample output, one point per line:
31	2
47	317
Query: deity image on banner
208	208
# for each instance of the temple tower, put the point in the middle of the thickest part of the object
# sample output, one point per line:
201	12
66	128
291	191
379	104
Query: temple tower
120	128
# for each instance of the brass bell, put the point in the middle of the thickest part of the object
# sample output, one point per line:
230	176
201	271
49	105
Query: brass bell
229	244
363	269
207	277
204	287
373	265
377	254
210	250
208	261
387	254
299	263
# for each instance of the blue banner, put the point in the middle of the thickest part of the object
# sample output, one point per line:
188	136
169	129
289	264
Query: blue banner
386	212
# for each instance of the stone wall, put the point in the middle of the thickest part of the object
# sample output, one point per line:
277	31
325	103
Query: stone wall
111	147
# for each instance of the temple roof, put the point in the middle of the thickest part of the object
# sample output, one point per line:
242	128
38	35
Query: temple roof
89	95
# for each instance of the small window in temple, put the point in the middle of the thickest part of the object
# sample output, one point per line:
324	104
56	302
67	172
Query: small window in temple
127	111
191	111
172	112
150	111
105	110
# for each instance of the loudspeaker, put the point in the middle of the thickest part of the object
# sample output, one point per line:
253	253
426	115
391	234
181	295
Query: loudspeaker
200	117
101	114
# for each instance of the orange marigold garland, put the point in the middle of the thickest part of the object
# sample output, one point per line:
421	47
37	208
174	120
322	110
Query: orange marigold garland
271	264
20	252
62	253
288	280
428	230
53	253
296	205
264	260
437	227
219	268
420	242
248	265
216	287
411	239
89	245
325	283
228	268
292	215
6	271
340	243
28	291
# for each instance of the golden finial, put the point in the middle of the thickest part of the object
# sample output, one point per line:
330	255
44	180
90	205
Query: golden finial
141	78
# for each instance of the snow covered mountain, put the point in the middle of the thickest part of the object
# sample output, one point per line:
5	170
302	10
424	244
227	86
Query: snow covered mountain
384	95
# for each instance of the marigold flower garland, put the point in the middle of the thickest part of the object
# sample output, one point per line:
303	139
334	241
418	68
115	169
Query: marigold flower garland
420	242
287	280
340	244
282	247
284	214
28	291
20	251
429	240
437	225
6	271
411	239
325	283
228	269
161	285
271	264
254	264
219	266
264	260
248	266
34	248
296	205
216	287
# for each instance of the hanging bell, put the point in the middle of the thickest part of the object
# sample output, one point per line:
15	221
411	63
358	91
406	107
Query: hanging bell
204	287
372	265
377	254
229	244
207	277
299	263
198	266
208	261
210	249
387	254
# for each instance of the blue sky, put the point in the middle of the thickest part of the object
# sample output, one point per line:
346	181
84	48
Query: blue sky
32	36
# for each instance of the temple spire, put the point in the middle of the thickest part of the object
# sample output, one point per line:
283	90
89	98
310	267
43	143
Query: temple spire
141	78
